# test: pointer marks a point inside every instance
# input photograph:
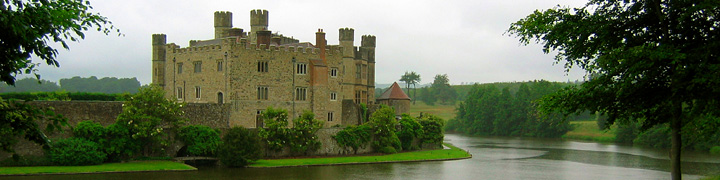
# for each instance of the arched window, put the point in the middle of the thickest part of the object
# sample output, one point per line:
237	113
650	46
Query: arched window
220	97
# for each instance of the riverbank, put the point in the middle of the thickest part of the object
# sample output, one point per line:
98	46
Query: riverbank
588	131
453	153
136	166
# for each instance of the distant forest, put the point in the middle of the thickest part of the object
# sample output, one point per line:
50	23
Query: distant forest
107	85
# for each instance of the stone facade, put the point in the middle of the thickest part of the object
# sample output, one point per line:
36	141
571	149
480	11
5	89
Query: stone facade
249	72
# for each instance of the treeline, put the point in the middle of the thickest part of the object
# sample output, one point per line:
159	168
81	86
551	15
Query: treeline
64	96
699	134
107	85
488	110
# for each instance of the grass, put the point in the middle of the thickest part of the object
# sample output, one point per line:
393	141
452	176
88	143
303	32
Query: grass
135	166
588	130
446	112
441	154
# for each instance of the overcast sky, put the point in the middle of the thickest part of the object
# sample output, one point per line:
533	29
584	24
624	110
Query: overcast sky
461	38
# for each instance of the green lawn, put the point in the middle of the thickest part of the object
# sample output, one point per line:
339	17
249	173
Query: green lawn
441	154
109	167
588	130
446	112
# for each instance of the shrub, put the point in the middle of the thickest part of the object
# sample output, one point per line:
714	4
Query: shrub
432	128
91	131
275	132
302	136
120	145
409	131
626	132
353	137
715	150
239	147
200	140
656	137
383	123
75	152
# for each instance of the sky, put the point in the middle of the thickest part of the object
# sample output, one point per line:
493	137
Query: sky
464	39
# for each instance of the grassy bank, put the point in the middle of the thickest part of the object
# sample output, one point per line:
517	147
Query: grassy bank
446	112
137	166
588	130
441	154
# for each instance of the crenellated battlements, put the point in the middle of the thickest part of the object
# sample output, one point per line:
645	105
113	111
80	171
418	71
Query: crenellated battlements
347	34
159	39
223	19
368	41
259	17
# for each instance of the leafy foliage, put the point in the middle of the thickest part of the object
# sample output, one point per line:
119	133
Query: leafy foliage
30	85
488	111
64	96
432	130
91	131
200	140
383	123
275	133
55	21
21	120
76	152
107	85
442	91
240	147
354	137
303	137
410	129
653	62
411	78
144	116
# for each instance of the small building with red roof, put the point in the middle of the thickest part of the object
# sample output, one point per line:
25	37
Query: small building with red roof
395	98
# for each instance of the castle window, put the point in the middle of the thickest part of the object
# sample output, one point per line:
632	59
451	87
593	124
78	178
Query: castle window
258	119
219	66
330	116
301	68
333	72
262	92
220	97
197	92
262	66
300	93
333	96
357	97
364	71
179	68
179	93
357	70
198	66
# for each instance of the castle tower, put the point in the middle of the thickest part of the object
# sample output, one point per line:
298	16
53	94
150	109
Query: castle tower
258	22
223	24
158	59
367	46
347	36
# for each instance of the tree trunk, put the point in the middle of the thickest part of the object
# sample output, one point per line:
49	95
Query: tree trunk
676	125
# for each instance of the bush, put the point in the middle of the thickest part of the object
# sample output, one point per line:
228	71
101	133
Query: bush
120	145
75	152
91	131
200	140
353	137
302	136
715	150
409	131
275	133
626	132
432	128
383	123
240	147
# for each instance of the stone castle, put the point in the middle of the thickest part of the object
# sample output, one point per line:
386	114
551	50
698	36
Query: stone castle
247	72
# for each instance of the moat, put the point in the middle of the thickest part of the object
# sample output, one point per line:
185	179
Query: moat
493	158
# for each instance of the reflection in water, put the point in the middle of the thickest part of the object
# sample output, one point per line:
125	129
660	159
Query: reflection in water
493	158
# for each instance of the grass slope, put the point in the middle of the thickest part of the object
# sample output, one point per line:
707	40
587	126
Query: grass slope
446	112
588	130
109	167
441	154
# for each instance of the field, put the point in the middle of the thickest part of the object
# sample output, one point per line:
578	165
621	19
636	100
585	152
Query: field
588	130
446	112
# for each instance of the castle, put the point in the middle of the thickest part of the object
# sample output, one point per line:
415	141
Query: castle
248	72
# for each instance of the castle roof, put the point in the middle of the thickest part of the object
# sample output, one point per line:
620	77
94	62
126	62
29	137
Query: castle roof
394	92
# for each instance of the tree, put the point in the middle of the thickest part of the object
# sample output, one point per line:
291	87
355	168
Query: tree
442	90
276	132
654	61
146	114
383	123
30	85
239	147
411	78
27	27
303	137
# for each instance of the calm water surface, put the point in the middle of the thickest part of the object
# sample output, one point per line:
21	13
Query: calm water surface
493	158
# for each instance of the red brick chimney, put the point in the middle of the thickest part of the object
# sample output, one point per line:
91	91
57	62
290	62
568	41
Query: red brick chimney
320	42
263	37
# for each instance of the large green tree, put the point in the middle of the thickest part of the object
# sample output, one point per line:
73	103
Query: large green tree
411	78
652	61
442	91
27	27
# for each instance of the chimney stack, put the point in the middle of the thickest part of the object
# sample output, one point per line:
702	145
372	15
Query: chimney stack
263	37
320	42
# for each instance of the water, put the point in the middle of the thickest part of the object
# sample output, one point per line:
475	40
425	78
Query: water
493	158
